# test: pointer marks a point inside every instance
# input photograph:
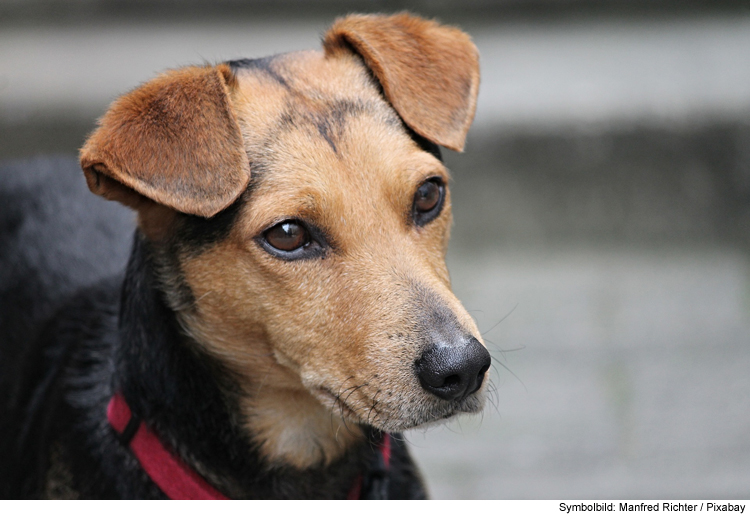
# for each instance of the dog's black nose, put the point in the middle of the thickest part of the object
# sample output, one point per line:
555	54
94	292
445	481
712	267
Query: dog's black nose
453	372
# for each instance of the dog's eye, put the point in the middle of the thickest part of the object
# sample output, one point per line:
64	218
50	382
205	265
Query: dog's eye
428	201
427	197
287	236
294	239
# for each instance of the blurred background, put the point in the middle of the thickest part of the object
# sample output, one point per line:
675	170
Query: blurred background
602	216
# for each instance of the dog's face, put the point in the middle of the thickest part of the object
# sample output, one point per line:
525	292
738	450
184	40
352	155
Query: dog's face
322	283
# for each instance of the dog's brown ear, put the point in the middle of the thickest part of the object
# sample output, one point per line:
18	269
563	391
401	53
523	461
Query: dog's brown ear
429	72
174	140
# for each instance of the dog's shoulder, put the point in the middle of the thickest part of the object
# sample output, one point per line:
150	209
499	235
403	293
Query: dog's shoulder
47	403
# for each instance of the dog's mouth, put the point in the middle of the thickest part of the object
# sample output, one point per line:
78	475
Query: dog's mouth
396	416
437	413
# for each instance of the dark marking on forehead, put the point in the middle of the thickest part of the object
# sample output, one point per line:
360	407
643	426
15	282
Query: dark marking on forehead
332	121
325	130
329	118
265	65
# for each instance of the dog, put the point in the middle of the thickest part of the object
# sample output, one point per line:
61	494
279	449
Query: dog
284	311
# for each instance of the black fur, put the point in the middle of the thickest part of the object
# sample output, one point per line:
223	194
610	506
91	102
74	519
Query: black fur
77	323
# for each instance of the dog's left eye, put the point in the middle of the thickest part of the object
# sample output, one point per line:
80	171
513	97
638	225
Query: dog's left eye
287	236
428	201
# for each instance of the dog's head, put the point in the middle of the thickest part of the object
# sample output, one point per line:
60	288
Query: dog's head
300	214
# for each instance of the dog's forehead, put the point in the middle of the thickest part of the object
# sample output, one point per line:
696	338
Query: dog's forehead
310	70
274	91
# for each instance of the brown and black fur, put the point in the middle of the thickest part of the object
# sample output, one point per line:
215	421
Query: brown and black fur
274	374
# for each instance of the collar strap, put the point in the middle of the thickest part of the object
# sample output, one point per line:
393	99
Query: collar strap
170	473
179	481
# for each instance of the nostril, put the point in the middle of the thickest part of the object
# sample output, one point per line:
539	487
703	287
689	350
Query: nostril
451	381
480	376
452	373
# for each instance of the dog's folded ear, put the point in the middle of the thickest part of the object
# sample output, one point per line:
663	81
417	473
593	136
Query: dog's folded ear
429	72
173	140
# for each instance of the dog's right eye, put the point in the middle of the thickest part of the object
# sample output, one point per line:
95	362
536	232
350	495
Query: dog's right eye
294	240
287	236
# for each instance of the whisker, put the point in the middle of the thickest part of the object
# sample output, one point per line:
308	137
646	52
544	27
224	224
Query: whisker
504	350
493	397
374	404
337	400
511	373
500	321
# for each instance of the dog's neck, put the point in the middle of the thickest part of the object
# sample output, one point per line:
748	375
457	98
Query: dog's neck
193	403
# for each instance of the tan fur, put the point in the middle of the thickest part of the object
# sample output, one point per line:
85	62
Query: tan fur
324	345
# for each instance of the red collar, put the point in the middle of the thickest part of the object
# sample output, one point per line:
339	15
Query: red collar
171	474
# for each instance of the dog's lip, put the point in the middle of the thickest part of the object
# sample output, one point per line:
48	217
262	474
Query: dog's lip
471	405
435	419
438	415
